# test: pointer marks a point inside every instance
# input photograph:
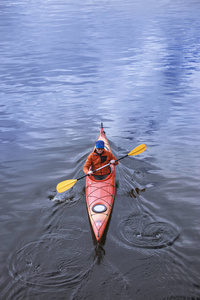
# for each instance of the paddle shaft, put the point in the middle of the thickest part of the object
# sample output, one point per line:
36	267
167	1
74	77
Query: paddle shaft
102	167
67	184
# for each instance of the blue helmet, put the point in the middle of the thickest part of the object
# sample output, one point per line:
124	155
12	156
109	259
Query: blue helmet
99	144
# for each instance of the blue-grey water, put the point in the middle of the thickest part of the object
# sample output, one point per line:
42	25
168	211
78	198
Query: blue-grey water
65	67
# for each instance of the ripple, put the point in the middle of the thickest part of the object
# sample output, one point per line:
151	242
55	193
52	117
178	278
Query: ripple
57	218
71	227
50	263
138	230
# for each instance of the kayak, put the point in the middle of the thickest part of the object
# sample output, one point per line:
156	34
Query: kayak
100	196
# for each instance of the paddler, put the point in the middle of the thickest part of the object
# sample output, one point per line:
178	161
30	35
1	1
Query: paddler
98	158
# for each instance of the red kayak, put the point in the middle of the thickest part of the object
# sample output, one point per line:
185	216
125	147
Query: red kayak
100	196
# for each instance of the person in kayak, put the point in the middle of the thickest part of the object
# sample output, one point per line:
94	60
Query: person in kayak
98	158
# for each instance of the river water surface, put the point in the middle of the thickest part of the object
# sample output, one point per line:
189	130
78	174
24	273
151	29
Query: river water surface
65	67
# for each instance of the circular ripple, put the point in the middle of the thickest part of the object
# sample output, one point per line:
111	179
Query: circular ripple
51	263
71	227
138	230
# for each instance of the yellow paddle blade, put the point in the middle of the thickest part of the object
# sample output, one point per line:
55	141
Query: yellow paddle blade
65	185
139	149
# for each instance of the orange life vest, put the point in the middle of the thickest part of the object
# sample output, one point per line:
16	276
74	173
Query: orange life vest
96	161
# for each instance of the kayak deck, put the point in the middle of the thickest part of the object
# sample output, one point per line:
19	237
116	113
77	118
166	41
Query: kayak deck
100	196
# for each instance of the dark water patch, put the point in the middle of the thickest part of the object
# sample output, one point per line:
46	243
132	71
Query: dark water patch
105	281
138	230
99	253
168	272
184	297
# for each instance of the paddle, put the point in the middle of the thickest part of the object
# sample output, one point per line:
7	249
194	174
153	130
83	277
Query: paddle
67	184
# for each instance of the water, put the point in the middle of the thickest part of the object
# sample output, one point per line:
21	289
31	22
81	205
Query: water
65	67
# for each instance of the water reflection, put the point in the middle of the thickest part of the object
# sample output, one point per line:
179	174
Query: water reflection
65	67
